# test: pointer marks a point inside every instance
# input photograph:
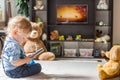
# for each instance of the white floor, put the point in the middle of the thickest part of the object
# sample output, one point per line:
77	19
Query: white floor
64	70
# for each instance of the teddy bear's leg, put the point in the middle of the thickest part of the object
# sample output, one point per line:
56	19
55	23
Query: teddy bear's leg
102	73
47	56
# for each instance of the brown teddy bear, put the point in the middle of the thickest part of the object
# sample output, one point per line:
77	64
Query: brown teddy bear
34	43
111	68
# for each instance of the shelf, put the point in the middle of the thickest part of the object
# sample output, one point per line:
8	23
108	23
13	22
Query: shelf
103	10
87	30
103	26
84	40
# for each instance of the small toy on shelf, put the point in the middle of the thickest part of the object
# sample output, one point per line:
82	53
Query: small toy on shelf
104	39
102	54
39	5
70	38
101	23
38	20
61	37
98	33
102	5
44	36
54	35
96	53
78	37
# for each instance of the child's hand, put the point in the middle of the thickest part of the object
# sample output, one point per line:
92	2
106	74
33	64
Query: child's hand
29	54
28	59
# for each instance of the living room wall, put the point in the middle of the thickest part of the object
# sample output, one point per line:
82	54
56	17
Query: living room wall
116	22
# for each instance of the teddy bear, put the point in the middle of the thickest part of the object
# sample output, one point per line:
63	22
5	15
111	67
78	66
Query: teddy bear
34	43
111	68
54	35
39	5
103	38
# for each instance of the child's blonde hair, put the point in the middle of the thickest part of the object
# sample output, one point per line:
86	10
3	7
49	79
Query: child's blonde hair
19	22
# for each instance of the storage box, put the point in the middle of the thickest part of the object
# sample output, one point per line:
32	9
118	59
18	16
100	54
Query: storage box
69	52
86	52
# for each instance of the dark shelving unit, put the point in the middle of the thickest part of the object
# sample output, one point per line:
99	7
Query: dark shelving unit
87	30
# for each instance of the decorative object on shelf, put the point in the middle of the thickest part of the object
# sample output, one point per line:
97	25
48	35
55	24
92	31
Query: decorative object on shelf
39	5
38	19
102	5
44	36
23	7
54	35
69	38
101	23
69	52
56	49
111	68
98	33
102	54
86	52
104	39
62	37
34	43
78	37
96	53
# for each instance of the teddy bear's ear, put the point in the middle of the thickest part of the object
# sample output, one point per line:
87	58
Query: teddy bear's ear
33	24
41	24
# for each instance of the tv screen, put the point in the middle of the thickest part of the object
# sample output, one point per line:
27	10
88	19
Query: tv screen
72	14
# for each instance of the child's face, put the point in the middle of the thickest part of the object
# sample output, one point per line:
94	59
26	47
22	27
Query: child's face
22	36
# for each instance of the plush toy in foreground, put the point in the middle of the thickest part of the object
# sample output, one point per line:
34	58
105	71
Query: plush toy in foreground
34	43
111	68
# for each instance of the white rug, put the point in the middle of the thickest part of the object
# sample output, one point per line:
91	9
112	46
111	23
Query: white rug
63	70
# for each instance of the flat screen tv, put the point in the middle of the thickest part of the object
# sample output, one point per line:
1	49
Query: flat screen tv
72	14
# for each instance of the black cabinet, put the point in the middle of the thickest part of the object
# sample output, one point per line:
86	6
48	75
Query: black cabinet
79	23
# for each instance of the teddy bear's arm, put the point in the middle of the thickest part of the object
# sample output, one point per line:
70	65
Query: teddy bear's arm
111	68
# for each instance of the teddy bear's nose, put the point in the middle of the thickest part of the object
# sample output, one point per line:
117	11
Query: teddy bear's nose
34	32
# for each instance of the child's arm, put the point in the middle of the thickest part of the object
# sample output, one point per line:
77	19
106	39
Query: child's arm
21	61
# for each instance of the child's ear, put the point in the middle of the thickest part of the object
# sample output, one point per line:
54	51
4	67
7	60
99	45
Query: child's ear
15	31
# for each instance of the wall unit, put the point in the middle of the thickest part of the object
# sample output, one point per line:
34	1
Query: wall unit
87	20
